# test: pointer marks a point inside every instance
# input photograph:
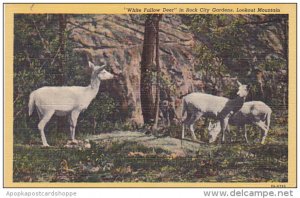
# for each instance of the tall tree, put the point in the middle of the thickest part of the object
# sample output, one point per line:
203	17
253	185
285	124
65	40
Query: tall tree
61	122
157	97
62	48
147	67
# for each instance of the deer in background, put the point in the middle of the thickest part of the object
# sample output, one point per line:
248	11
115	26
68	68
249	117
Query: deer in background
66	100
254	112
197	104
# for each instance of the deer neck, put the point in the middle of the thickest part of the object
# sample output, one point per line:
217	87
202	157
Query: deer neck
232	106
238	101
93	88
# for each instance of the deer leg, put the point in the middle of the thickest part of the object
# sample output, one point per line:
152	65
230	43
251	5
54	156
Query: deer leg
245	134
264	127
184	123
71	125
193	131
223	131
195	117
182	132
229	132
45	119
73	122
224	124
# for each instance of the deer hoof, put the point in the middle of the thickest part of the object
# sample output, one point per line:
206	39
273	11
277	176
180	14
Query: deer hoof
74	142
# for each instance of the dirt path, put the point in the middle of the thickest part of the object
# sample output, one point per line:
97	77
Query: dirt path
176	146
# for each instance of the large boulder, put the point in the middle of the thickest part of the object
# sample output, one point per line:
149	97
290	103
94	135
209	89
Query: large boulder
119	40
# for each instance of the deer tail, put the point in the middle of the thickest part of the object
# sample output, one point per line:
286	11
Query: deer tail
31	103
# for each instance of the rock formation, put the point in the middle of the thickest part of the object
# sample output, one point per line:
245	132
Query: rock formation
119	38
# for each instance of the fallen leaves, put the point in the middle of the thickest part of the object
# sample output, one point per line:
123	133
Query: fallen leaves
123	170
134	154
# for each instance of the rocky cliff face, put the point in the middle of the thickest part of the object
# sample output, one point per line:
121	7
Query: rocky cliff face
119	40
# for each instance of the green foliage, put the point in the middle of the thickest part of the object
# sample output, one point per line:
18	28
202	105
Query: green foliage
273	64
98	117
243	46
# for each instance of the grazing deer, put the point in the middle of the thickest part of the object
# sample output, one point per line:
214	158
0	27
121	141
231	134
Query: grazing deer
196	105
254	112
66	100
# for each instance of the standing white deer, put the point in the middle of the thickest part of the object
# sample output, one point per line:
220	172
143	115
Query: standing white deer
254	112
66	100
197	105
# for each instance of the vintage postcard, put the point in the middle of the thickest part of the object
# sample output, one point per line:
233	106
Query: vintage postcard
150	95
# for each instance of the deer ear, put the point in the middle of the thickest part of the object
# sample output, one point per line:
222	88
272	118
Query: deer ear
102	67
209	125
91	65
238	82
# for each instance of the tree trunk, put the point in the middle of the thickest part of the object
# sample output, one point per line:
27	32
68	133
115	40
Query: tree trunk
62	51
147	67
157	98
61	121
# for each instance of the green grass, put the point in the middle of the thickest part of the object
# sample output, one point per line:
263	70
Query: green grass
131	162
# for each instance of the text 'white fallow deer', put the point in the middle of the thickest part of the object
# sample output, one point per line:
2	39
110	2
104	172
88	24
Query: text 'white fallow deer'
66	100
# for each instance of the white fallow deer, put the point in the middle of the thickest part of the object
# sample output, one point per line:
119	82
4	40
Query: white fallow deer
66	100
196	105
254	112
